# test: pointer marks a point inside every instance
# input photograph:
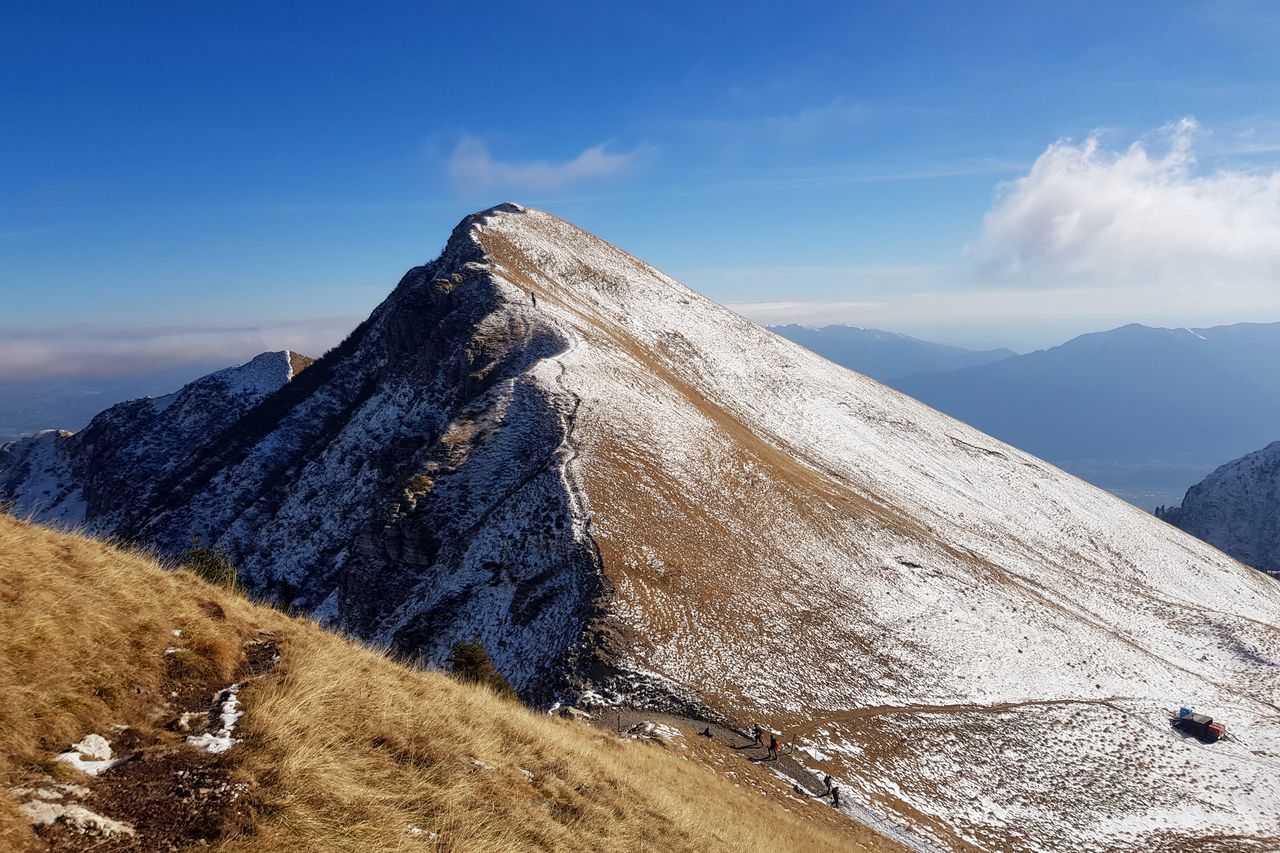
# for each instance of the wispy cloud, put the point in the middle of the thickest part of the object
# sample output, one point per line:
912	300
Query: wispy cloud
121	351
865	280
473	167
823	313
817	271
849	175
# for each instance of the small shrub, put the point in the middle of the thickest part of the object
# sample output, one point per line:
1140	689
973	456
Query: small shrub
213	566
471	663
203	656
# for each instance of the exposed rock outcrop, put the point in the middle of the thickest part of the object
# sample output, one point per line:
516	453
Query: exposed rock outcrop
1237	509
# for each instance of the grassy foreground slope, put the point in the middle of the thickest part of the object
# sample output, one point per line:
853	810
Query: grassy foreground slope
341	748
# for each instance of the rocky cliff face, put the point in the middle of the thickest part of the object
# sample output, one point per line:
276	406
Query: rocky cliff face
631	494
410	487
1237	509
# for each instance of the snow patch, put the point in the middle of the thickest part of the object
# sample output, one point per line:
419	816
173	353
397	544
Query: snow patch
229	714
74	817
655	731
815	753
90	756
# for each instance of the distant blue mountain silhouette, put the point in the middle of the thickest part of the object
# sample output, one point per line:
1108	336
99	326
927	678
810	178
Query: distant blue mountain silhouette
1110	404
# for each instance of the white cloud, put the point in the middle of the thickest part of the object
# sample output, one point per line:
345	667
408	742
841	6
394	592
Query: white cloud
472	166
1088	216
108	351
1092	236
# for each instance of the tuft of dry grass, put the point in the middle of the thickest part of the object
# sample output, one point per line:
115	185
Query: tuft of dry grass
348	749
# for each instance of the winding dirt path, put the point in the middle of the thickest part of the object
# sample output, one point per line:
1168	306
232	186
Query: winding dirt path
806	786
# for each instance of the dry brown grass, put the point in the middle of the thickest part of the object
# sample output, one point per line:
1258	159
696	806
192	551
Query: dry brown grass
350	750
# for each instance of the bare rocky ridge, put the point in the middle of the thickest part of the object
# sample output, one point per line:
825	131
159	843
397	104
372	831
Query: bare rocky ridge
93	477
630	494
1237	509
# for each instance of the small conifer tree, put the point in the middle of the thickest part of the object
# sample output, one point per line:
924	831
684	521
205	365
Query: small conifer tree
210	564
471	662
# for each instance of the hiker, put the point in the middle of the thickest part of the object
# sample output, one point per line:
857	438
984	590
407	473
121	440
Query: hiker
826	783
759	734
533	297
835	797
773	747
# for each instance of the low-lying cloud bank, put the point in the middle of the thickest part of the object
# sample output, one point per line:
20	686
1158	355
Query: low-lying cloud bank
116	351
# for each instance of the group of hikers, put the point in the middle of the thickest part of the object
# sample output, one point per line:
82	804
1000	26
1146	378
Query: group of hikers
757	734
774	743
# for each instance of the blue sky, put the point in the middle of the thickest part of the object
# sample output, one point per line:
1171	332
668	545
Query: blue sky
179	181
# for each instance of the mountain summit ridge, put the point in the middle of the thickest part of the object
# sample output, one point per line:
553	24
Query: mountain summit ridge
631	494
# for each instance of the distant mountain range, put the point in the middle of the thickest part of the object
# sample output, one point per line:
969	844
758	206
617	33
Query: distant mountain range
1131	393
885	356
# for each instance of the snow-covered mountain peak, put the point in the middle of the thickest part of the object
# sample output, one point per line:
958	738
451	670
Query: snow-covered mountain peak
256	378
629	493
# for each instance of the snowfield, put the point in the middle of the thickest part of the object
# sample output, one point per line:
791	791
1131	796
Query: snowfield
633	495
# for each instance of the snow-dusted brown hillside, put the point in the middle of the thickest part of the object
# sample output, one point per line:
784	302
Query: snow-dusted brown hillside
632	494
